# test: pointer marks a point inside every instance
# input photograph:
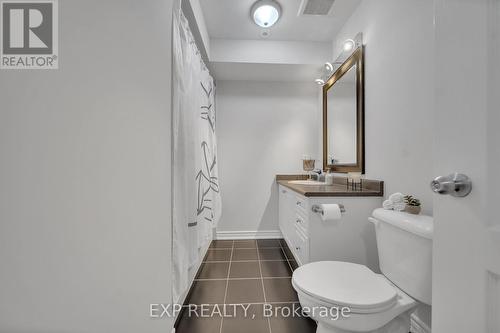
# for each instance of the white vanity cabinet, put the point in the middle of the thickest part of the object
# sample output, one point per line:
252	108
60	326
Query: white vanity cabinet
352	238
293	220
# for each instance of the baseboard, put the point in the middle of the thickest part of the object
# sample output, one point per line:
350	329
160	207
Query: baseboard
418	326
256	234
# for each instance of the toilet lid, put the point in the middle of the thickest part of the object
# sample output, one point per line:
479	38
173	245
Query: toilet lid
345	284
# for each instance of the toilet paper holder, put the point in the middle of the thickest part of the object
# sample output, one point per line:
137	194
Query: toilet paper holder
318	209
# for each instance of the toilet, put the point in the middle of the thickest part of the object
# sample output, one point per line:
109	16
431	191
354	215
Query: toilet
376	303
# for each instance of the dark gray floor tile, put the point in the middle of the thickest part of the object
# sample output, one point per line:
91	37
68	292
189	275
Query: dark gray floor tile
244	291
208	292
244	254
288	321
194	322
221	244
218	255
275	269
271	254
280	290
253	321
268	243
213	270
244	269
246	244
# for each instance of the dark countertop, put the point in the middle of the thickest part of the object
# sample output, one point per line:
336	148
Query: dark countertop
370	188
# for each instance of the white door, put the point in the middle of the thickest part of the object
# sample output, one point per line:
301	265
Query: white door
466	268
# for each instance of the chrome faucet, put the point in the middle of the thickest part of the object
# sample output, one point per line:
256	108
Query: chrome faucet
317	175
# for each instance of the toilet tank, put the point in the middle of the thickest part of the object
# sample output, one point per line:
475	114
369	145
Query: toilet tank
404	243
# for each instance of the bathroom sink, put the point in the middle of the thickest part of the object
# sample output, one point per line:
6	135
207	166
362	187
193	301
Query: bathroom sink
306	182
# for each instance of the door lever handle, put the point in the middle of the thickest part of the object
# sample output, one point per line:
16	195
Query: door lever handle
456	184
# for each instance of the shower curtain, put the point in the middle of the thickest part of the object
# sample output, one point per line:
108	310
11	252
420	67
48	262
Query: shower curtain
196	197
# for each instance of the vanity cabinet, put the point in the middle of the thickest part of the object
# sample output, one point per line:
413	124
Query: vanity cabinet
351	239
294	223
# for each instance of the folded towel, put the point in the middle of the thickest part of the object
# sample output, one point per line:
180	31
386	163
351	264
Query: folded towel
397	198
400	206
388	205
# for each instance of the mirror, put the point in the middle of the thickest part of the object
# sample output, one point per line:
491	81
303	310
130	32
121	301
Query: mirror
343	117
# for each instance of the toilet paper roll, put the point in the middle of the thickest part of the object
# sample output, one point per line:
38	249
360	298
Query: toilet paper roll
331	212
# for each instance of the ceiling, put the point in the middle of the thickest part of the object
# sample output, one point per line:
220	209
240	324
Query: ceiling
230	19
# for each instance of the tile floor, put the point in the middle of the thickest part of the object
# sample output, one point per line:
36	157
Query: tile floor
245	273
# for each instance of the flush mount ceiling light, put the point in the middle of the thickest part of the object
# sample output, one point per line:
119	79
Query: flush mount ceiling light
265	13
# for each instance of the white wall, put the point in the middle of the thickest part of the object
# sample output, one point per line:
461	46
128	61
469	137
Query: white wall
85	175
399	95
264	128
233	71
398	35
269	51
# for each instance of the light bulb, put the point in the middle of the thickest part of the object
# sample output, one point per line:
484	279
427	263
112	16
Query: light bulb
319	82
349	45
329	67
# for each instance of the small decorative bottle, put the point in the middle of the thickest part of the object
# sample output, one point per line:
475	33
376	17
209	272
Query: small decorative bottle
329	178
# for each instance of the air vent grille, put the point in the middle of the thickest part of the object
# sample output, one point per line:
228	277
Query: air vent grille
316	7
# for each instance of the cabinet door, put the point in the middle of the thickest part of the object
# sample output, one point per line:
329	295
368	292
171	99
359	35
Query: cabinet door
301	246
284	211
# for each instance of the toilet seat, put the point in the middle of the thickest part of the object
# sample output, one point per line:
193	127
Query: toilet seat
345	284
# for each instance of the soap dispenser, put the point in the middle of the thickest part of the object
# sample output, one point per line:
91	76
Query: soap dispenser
329	178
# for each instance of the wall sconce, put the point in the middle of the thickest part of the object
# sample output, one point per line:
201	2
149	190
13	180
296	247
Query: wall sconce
329	68
319	81
349	45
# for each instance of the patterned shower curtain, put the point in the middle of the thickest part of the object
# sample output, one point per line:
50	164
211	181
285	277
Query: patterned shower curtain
208	208
196	195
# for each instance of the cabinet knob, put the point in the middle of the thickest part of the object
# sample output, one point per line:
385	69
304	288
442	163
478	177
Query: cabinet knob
298	203
297	248
298	221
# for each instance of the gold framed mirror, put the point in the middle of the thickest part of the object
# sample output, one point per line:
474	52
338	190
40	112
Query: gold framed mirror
343	117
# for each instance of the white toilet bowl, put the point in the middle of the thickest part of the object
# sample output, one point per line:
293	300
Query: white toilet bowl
377	305
374	304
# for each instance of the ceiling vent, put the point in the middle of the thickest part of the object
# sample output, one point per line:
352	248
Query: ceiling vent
316	7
